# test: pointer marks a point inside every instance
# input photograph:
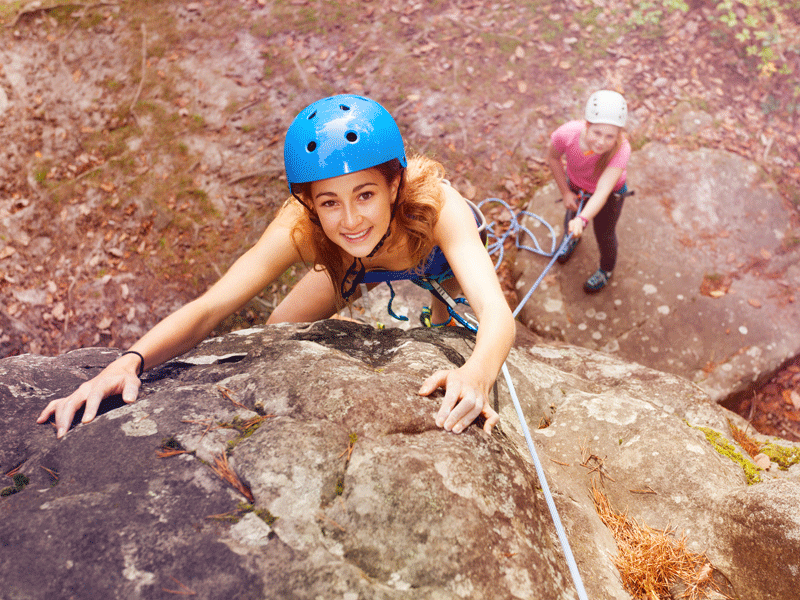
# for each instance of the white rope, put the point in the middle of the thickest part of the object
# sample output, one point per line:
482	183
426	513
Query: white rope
497	246
548	497
517	229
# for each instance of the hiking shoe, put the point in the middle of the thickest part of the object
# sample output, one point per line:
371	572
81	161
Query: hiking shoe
425	319
597	282
570	248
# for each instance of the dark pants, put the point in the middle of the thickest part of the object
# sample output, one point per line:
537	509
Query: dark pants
605	228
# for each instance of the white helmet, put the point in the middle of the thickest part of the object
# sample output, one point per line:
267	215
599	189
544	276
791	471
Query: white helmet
607	107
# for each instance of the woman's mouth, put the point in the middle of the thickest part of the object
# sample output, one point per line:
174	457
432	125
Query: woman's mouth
355	238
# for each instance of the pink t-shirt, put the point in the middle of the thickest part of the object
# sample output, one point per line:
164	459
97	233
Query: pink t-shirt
580	168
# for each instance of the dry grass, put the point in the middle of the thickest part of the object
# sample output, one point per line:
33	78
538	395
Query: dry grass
651	561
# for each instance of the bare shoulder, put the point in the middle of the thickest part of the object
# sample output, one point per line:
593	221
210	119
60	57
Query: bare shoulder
287	232
454	202
289	214
456	219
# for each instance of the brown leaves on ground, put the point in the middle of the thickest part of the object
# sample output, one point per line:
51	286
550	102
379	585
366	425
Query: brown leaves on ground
715	285
653	562
774	408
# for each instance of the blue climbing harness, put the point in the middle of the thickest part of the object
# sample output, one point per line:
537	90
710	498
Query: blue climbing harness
430	276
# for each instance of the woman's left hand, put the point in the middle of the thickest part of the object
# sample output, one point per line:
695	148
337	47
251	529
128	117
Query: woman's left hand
464	399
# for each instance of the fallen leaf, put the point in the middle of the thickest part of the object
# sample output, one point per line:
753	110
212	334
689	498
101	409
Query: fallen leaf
105	323
716	293
754	303
765	254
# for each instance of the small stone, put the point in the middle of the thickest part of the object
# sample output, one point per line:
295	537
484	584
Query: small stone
762	461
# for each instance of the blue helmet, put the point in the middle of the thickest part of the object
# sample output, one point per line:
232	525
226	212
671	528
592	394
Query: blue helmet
339	135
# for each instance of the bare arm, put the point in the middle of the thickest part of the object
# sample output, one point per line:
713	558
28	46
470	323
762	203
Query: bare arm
560	176
605	186
467	388
185	328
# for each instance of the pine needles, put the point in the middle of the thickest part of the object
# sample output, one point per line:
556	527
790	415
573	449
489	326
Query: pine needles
225	472
652	561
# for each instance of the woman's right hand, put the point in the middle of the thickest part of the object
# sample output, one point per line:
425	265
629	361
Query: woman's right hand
117	378
570	201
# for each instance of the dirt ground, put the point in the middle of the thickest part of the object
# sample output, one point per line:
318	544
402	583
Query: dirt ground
142	140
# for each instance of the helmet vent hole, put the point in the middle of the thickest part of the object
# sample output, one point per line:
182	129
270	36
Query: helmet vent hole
312	115
311	146
351	136
344	107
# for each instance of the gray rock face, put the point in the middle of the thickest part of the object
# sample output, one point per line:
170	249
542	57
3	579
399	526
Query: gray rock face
370	498
355	492
702	215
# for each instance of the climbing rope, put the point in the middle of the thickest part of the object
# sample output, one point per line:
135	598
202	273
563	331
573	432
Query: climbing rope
496	245
548	497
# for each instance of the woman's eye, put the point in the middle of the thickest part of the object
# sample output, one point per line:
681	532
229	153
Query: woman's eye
367	195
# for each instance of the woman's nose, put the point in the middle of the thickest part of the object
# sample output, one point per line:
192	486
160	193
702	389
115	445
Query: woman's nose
351	217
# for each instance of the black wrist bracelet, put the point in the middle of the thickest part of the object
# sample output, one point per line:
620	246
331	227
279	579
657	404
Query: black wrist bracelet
140	370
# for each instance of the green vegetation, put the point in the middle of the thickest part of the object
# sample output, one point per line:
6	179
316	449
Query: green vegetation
760	29
20	481
242	509
727	449
783	456
40	174
653	12
245	428
8	10
553	31
171	443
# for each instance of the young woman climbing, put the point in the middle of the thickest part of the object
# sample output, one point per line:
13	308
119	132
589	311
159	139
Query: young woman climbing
357	206
596	154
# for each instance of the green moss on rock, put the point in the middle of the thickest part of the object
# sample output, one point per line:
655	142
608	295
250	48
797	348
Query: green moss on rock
727	449
783	456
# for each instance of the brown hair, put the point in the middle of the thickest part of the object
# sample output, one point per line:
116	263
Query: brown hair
415	213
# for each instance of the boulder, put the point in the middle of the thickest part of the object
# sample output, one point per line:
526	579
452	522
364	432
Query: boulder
706	278
298	461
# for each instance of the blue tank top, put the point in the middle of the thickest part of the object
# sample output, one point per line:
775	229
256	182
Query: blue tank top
434	267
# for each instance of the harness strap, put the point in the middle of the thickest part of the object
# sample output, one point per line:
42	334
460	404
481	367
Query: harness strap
389	308
623	192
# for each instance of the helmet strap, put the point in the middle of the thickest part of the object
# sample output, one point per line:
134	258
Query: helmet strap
311	214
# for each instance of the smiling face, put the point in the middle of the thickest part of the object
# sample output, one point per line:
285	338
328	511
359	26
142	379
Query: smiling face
601	137
355	210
